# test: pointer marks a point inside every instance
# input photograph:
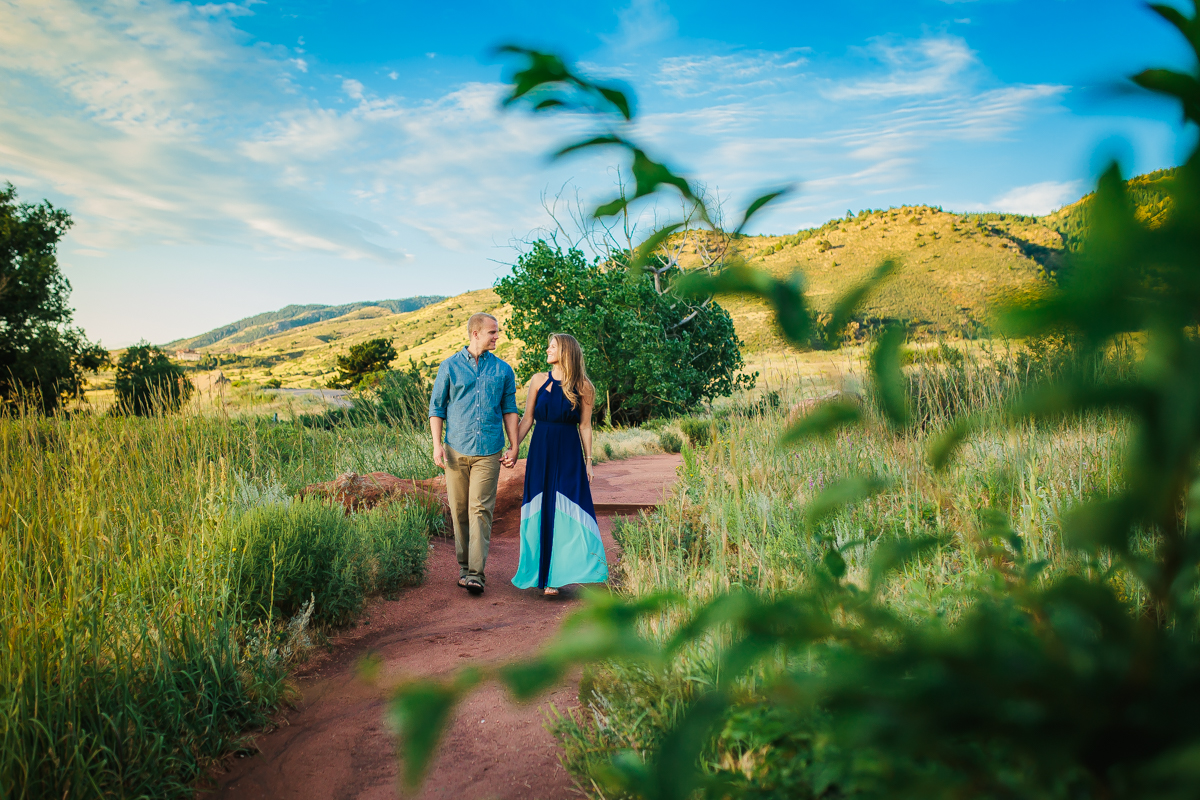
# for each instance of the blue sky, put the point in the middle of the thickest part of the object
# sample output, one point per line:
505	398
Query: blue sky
223	159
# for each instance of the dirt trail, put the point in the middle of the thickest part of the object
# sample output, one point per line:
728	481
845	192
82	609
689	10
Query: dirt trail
336	745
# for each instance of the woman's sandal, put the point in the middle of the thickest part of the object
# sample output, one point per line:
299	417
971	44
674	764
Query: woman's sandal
550	591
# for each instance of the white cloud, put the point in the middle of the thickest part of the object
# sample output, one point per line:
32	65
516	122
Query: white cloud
642	23
1038	198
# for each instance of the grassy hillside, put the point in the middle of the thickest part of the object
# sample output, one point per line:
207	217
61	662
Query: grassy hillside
952	266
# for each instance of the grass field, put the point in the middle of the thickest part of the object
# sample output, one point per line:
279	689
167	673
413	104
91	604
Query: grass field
745	516
159	580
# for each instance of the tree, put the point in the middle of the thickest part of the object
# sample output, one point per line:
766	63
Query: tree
149	383
363	362
649	352
41	355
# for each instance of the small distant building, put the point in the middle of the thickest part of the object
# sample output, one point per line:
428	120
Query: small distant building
187	355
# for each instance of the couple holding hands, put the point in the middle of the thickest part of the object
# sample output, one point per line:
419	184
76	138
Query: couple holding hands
473	406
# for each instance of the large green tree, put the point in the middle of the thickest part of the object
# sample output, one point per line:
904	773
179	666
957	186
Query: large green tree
42	357
649	352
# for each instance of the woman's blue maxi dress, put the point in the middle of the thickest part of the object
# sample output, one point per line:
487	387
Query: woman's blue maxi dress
560	540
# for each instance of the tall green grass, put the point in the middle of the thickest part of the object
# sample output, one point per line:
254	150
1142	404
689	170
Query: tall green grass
745	515
144	613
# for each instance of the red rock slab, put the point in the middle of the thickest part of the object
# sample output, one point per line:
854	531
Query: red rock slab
635	484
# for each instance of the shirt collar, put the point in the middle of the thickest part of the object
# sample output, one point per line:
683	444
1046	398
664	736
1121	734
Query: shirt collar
466	353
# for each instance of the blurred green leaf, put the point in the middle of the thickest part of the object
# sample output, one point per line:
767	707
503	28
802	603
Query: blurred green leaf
618	99
368	667
786	297
645	251
947	443
893	554
595	141
849	303
528	679
889	379
676	774
824	419
758	203
418	712
841	493
835	563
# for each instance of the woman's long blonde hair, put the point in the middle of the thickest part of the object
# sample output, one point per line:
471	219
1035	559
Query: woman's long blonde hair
570	359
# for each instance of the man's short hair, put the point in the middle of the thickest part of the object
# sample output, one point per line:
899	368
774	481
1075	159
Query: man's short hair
476	322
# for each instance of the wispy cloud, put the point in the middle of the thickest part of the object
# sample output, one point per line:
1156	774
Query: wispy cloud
694	76
928	66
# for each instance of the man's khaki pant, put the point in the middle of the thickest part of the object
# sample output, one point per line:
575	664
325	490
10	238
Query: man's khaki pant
471	490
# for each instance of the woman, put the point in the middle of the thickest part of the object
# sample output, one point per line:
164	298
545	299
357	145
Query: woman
560	540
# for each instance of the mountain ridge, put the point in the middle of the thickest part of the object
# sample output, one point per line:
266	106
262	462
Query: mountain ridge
267	323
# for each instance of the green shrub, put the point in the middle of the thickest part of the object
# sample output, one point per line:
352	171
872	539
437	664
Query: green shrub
670	441
698	431
395	541
286	554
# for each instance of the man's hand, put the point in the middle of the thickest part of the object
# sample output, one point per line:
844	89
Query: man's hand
439	454
509	459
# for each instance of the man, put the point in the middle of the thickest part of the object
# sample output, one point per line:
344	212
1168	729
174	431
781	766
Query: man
474	402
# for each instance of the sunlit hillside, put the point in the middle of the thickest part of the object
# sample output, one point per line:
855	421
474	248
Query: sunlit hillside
952	268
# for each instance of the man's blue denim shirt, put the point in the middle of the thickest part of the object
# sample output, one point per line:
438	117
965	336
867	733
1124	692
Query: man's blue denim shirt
473	400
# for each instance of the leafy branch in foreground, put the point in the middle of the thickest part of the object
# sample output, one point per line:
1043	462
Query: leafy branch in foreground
1044	688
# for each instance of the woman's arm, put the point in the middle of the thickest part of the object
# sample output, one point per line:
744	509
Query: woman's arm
588	401
535	385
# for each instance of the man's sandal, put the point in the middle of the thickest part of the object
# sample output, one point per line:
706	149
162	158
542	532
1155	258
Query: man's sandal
474	586
462	583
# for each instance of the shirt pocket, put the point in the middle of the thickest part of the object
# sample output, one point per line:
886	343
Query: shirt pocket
493	388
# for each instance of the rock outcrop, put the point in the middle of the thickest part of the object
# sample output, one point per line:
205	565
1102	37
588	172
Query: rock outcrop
362	492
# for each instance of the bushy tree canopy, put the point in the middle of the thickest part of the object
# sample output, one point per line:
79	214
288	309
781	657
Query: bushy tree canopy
364	361
41	355
648	353
148	382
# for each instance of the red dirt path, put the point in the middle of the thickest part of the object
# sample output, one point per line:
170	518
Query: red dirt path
336	744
